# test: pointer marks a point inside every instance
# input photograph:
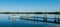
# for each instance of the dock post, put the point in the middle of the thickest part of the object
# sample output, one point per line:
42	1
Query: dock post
26	16
55	21
45	18
58	19
36	17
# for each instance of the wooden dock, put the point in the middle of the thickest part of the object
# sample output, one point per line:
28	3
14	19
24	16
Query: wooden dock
45	19
56	20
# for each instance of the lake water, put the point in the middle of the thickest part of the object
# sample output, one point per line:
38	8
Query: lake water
5	22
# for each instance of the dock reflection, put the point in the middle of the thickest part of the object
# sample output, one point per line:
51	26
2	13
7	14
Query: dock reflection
35	18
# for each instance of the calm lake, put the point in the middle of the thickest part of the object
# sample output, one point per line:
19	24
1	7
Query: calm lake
6	22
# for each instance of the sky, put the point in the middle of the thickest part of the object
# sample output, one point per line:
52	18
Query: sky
30	5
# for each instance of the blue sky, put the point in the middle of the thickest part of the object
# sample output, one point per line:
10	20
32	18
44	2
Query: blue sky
30	5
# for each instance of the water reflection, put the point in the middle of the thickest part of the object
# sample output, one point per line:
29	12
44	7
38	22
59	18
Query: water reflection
13	18
34	18
27	21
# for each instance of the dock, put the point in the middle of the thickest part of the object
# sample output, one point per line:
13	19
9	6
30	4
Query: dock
56	20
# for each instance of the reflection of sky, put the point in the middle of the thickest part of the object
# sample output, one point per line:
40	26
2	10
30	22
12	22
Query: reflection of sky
4	21
29	5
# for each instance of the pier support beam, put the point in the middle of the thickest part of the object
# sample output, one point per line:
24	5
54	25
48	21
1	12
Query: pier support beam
55	21
58	19
36	17
45	18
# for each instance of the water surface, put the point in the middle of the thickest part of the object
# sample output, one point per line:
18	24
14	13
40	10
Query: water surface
5	22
